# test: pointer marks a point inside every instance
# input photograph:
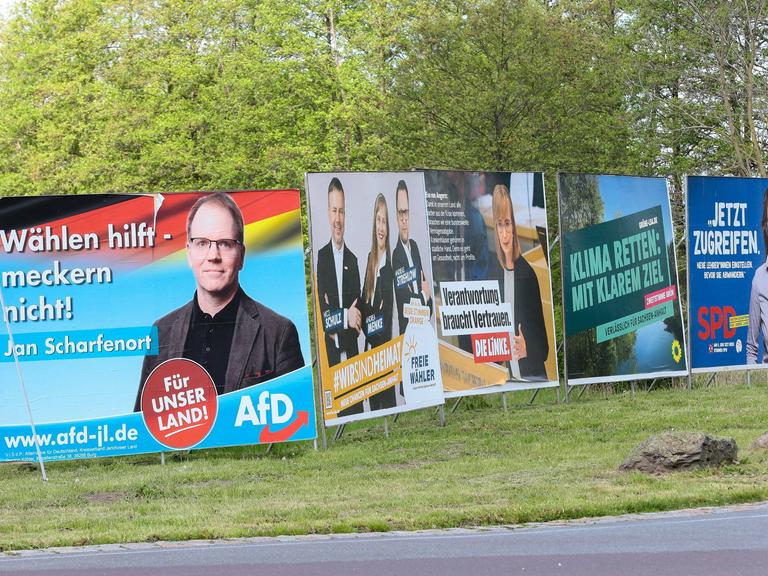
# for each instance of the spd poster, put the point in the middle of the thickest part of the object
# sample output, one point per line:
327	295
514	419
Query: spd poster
727	276
621	305
144	323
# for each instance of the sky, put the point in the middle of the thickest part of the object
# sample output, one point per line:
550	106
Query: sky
5	7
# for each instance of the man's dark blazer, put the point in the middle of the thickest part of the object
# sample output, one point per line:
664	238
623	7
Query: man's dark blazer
528	314
264	345
328	298
404	294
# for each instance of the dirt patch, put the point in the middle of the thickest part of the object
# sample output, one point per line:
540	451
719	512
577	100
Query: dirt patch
104	497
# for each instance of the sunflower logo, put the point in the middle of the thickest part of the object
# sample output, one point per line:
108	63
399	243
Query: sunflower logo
677	350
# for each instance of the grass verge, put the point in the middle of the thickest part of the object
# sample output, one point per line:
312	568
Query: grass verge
534	463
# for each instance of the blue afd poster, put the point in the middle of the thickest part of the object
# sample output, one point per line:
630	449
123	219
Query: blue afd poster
152	322
728	279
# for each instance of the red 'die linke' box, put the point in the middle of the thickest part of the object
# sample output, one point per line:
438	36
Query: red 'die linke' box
495	347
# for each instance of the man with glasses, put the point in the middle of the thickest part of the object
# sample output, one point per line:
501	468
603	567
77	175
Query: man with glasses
410	281
239	341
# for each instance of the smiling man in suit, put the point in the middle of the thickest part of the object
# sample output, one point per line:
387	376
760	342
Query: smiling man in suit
338	289
239	341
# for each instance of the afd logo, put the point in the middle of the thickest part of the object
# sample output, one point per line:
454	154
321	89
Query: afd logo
271	409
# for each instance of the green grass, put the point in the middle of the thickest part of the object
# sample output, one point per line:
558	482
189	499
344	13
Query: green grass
534	463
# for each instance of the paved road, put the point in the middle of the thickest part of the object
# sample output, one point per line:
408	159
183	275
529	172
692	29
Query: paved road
708	542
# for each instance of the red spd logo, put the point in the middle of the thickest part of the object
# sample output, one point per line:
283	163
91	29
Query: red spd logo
179	403
713	319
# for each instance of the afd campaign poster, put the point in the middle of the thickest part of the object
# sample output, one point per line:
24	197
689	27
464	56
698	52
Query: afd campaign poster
621	304
373	298
727	238
145	323
493	290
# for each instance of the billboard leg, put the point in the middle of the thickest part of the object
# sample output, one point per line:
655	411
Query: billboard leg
458	401
690	381
162	458
535	393
12	344
504	402
441	412
394	418
557	397
269	448
386	427
633	387
711	379
581	392
749	377
567	393
324	437
314	444
339	432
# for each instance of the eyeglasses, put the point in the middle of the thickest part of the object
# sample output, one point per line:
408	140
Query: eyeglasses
402	213
504	224
227	247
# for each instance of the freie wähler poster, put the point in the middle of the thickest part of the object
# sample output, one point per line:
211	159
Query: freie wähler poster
373	299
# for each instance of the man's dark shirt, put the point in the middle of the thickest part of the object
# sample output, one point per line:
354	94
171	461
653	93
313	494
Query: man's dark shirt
209	339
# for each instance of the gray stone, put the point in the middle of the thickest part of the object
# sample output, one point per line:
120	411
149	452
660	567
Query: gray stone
761	442
674	451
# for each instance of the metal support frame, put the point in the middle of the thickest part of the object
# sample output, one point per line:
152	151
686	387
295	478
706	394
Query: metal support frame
653	383
456	405
339	432
24	392
441	413
504	402
711	379
536	393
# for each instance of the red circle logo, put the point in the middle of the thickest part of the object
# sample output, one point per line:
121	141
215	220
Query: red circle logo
179	403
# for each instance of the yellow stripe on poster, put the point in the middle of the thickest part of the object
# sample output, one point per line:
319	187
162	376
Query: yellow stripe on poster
738	321
358	378
275	231
461	373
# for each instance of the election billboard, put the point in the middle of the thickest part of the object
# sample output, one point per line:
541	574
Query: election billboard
493	289
145	323
727	233
621	307
373	303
